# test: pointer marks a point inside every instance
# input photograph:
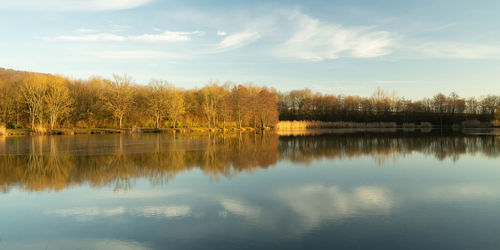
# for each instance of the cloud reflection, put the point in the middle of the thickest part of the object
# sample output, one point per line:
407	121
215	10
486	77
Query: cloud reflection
164	211
317	203
88	213
95	244
464	191
84	214
239	208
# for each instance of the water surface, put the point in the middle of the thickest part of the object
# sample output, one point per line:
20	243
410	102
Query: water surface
323	190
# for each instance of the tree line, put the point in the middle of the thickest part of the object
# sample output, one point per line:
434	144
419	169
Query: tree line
34	100
384	107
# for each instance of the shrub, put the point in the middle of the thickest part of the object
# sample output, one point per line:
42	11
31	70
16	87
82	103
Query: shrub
13	126
495	123
471	124
408	125
135	130
425	125
40	129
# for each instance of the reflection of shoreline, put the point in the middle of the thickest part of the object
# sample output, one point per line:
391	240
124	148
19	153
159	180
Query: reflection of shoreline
55	163
433	131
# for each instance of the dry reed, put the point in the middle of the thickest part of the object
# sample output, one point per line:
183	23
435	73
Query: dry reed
40	129
288	125
3	129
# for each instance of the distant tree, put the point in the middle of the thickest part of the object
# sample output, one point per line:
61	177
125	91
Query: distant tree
439	103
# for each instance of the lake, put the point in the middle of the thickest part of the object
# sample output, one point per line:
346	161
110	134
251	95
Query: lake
324	190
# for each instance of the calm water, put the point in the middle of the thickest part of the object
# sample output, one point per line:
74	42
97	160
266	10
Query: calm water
319	191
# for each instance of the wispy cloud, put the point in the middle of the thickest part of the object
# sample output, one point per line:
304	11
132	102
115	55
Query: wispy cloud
167	36
136	54
314	40
72	5
89	37
238	40
455	50
84	30
221	33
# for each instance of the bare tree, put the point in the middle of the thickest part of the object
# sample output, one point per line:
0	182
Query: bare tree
158	100
119	96
33	95
239	99
175	105
57	100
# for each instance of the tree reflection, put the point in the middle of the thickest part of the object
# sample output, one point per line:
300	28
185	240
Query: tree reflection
57	162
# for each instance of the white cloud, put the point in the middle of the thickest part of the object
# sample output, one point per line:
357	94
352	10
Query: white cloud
238	40
314	40
454	50
167	36
221	33
73	5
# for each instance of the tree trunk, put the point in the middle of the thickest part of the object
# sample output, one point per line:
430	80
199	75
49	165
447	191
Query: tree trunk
52	121
239	120
175	122
121	117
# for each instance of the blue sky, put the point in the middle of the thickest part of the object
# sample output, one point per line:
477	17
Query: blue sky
417	48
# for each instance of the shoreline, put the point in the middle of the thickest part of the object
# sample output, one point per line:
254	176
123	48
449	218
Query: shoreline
104	131
279	131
